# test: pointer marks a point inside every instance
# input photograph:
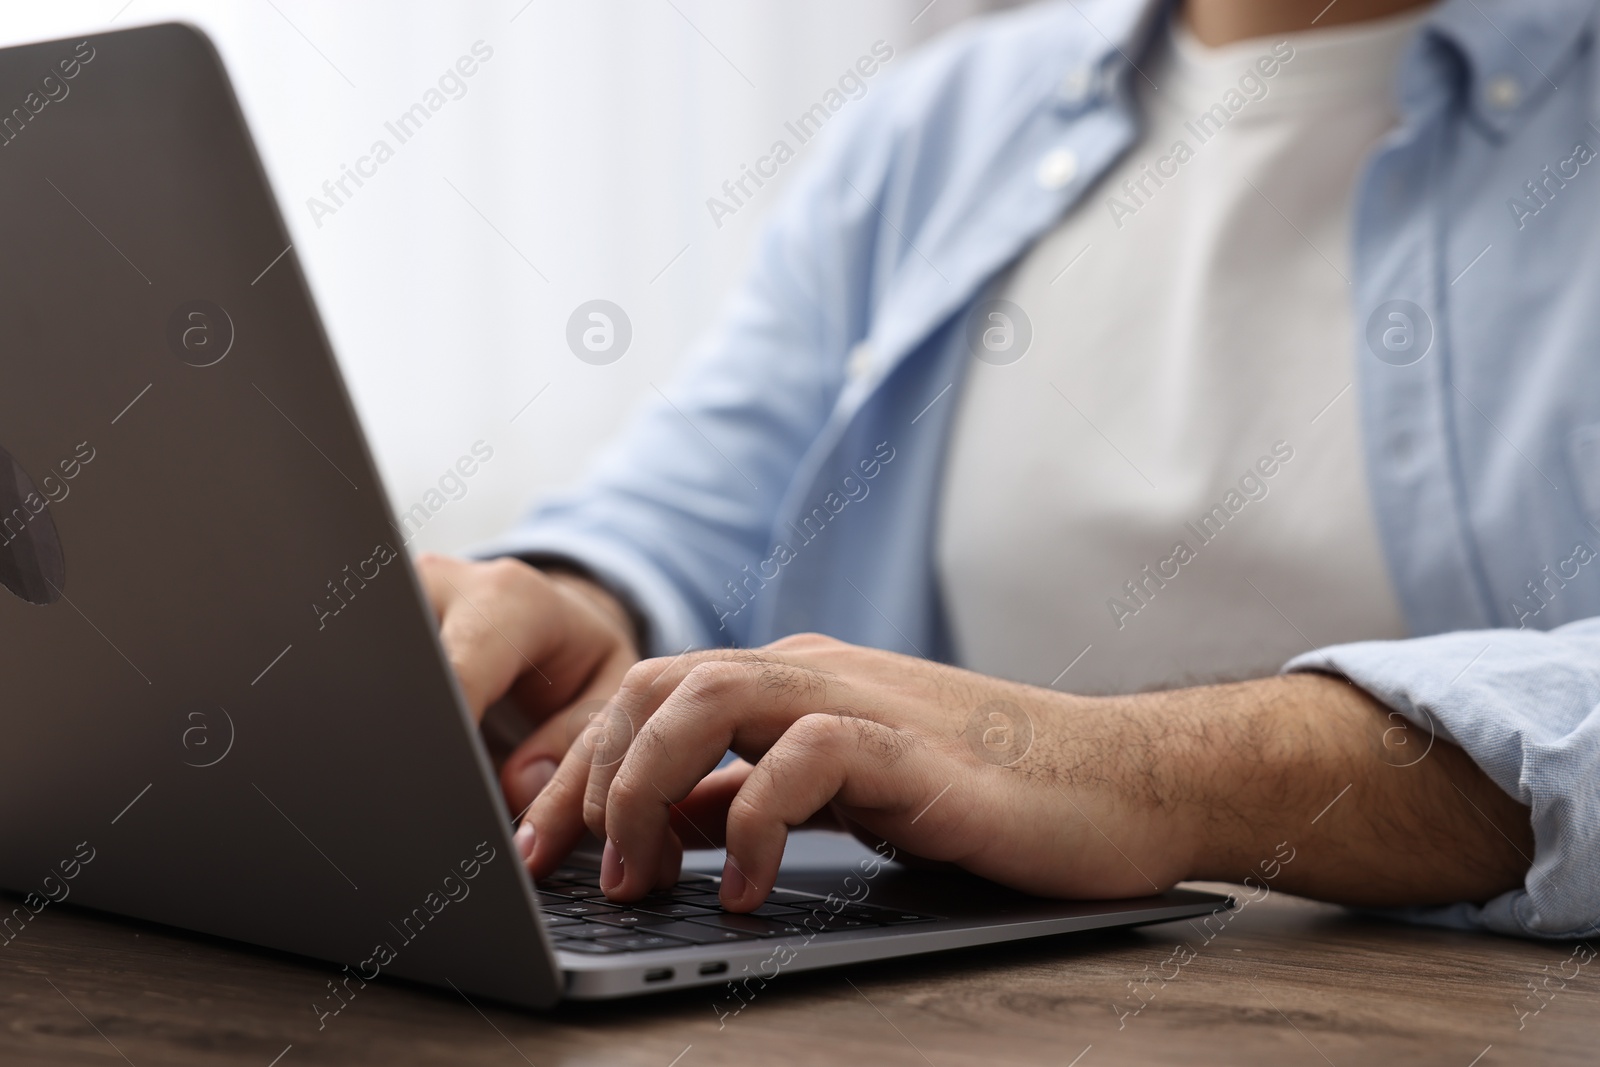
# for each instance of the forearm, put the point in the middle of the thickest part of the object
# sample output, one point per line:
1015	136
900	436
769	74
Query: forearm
1378	812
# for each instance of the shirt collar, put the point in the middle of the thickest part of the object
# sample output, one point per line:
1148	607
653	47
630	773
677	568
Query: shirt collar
1513	54
1114	36
1514	51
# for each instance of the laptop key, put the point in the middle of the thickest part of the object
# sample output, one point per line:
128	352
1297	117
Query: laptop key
676	909
576	892
700	935
799	900
581	910
751	924
867	915
629	919
584	931
780	911
578	875
698	889
821	921
560	920
875	915
592	948
640	942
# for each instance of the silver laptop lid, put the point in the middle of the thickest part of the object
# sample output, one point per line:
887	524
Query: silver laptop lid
226	708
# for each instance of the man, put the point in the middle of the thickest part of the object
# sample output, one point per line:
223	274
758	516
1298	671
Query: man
1113	347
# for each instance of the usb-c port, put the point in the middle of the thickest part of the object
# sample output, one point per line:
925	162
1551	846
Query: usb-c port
719	967
660	974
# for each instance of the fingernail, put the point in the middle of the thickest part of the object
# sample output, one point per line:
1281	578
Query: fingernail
523	839
534	777
733	883
610	867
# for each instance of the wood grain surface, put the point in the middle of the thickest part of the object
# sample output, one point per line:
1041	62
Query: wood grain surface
1285	982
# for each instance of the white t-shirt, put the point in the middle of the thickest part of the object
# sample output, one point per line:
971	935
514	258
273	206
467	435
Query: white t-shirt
1167	487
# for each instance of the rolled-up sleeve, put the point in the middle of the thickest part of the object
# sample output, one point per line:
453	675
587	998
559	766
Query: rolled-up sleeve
1525	705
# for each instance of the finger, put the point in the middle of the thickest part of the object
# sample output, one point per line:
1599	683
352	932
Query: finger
746	703
643	688
496	627
462	631
561	813
555	819
548	832
810	765
432	572
670	868
650	683
532	764
700	817
642	691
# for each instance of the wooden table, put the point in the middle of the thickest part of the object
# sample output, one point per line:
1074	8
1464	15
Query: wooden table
1286	982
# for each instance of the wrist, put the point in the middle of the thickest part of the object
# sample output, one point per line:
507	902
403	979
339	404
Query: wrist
1188	783
1135	769
587	595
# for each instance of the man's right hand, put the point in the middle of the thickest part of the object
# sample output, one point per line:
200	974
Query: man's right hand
554	642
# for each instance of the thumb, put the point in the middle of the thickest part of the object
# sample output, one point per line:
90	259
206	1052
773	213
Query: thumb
533	763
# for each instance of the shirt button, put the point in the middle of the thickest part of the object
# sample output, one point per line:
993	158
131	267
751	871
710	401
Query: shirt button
1058	167
1075	87
859	363
1503	91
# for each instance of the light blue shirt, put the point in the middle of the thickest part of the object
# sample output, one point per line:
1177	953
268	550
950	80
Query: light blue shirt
791	481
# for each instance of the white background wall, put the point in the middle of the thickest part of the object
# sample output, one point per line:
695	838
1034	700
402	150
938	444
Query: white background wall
589	143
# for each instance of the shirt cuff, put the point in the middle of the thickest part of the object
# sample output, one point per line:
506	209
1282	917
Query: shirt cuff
1522	704
669	626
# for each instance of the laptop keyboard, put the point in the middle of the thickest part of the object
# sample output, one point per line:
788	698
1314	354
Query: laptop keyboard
581	919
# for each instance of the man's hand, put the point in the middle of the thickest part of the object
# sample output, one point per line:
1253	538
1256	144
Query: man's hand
557	644
1054	794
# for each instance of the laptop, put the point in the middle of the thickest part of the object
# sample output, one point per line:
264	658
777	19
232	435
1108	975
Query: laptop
226	705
